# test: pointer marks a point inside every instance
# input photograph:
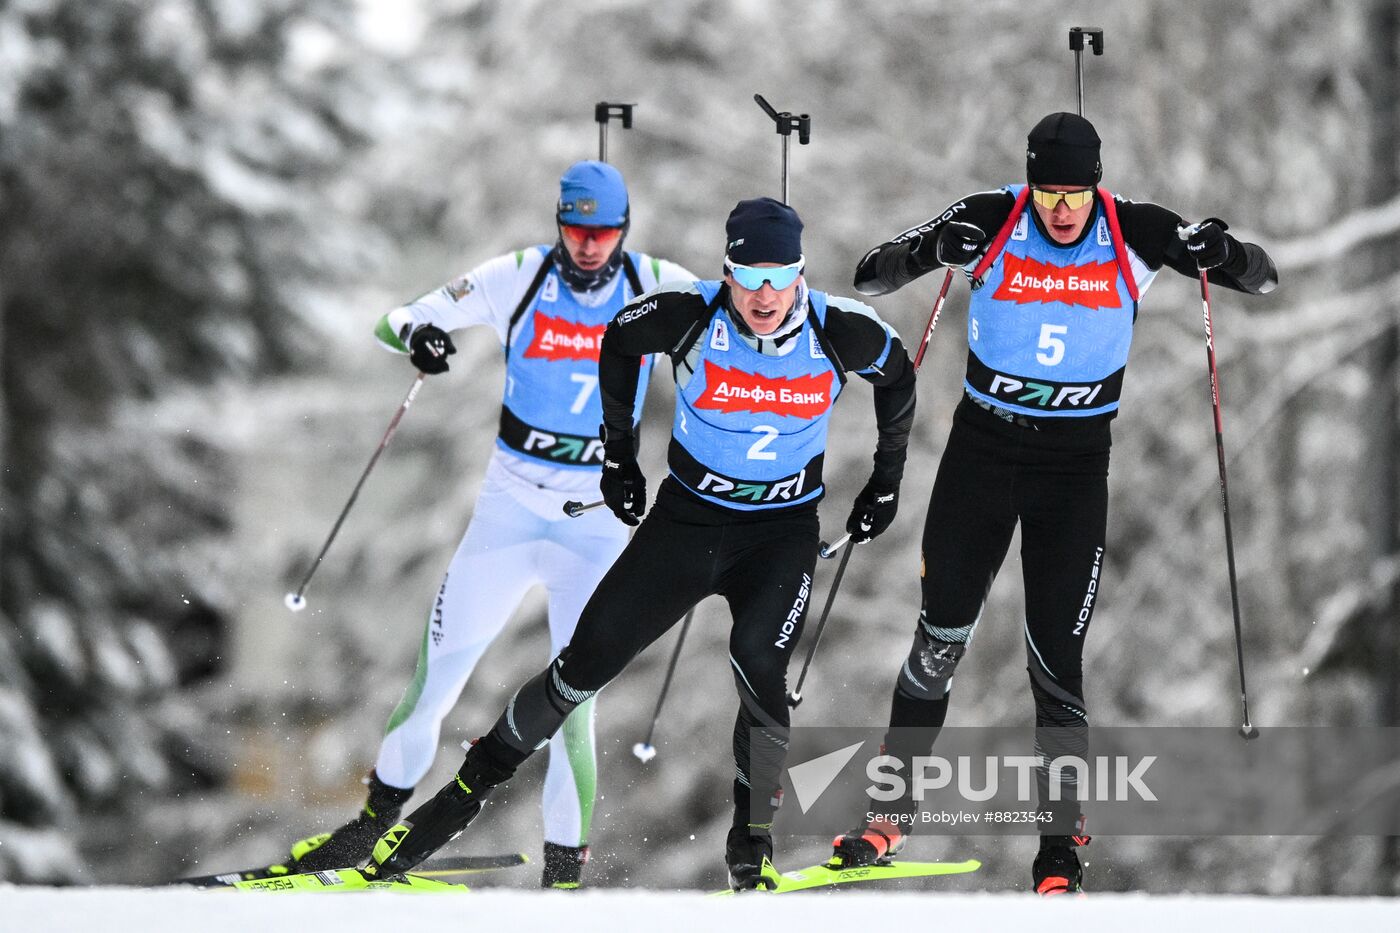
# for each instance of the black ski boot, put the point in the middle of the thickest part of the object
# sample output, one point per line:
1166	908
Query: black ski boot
872	843
440	820
1056	869
352	843
563	866
748	853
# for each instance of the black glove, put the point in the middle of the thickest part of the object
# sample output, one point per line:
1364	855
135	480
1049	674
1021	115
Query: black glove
623	484
1208	244
873	511
428	349
958	243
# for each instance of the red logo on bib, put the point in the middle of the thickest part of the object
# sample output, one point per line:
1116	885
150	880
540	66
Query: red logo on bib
558	339
1092	285
731	390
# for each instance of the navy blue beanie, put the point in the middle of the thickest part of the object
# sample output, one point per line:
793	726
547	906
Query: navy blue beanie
763	230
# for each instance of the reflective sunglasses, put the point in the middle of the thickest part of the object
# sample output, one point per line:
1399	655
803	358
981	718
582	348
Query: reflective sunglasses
1074	200
753	277
605	237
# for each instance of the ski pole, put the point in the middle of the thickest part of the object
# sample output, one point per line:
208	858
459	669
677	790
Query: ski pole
795	697
297	601
828	551
1247	729
644	749
605	112
1077	35
933	319
786	123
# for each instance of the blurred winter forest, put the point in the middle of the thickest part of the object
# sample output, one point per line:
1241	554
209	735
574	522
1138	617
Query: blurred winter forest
207	203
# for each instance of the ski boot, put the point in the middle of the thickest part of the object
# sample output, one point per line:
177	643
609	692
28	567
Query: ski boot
563	866
748	853
439	821
873	843
352	843
1056	869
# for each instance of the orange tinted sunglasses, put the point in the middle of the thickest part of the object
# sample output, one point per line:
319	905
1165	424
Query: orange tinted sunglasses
604	236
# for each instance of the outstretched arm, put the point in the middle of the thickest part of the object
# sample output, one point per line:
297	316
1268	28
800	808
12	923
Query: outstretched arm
485	295
1152	231
899	261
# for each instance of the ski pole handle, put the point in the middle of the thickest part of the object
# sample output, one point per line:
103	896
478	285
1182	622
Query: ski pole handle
573	508
828	551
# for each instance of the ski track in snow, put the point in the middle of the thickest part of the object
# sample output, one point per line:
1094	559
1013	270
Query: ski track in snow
60	910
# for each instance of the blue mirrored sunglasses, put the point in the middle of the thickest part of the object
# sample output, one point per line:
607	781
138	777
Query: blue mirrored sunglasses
753	277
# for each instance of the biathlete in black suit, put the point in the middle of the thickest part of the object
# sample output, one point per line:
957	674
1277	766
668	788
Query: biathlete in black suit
1057	269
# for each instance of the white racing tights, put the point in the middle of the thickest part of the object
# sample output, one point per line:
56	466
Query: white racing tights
518	537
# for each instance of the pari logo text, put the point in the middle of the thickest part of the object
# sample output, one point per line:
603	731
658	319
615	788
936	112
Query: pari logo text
1028	392
558	339
1027	280
740	491
563	447
731	390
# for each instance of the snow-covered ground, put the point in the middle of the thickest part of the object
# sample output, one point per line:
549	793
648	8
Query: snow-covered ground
82	910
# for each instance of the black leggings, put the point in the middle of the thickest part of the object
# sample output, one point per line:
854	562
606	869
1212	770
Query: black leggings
1054	481
684	550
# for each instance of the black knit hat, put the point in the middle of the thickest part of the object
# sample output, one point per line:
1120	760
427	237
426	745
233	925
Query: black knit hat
1063	149
763	230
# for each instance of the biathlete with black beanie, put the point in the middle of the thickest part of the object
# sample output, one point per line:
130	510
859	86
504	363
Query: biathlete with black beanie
548	307
1057	268
759	359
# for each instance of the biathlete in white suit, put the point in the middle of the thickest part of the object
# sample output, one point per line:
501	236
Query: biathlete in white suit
549	307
